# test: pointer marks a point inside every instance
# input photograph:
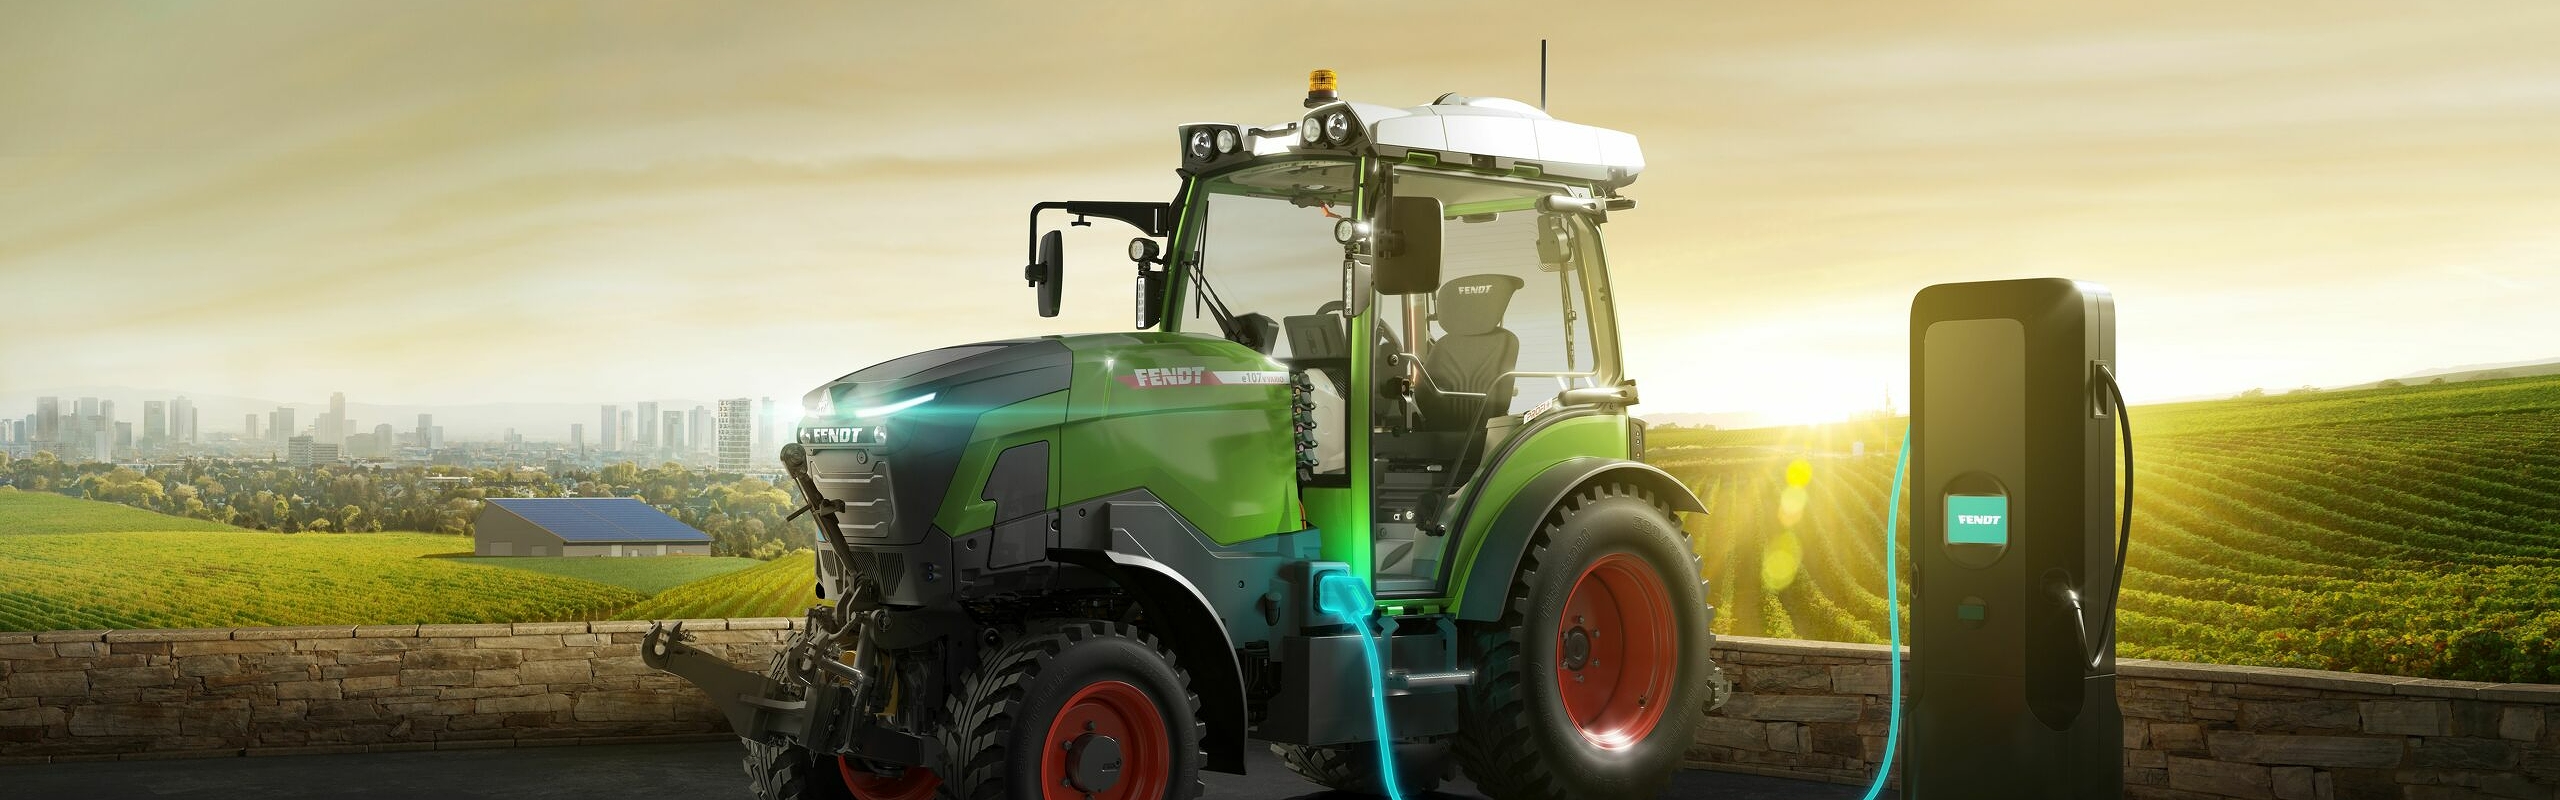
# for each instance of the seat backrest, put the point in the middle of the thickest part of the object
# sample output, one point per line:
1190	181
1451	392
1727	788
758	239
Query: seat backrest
1472	355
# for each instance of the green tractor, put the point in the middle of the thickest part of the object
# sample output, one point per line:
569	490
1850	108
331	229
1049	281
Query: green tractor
1363	471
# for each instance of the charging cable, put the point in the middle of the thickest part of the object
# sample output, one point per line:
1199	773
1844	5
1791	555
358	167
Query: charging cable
1346	597
2096	648
1893	622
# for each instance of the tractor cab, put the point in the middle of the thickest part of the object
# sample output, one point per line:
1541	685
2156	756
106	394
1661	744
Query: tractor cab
1433	279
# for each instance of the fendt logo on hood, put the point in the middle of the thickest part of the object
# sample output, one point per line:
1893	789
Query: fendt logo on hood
1149	377
1162	377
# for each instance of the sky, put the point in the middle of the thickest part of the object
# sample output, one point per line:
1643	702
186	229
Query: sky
461	202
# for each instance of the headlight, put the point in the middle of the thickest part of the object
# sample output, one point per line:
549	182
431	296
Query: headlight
1310	133
1142	249
1199	145
1227	140
868	412
1337	128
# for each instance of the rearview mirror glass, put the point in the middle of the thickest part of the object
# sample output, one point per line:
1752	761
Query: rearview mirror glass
1049	273
1408	246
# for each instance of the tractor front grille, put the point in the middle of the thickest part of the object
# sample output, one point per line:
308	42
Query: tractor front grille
862	482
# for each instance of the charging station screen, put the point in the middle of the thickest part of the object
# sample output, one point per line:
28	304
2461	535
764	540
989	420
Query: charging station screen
1977	519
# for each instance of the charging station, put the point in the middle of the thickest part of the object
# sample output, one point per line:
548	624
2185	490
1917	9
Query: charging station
2014	409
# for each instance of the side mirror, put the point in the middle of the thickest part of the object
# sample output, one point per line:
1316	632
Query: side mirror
1408	247
1048	273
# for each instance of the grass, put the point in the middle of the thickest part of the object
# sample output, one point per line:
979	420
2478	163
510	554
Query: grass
783	587
45	512
646	575
2410	531
194	579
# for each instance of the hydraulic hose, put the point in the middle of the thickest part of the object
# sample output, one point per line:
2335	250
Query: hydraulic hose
1347	598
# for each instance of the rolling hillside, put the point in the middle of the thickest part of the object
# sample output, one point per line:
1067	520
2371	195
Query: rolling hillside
2411	531
783	587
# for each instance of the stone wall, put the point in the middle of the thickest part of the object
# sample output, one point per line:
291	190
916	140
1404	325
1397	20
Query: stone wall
1800	709
2191	731
273	691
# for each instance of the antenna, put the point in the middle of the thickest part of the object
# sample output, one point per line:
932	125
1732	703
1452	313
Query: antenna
1542	74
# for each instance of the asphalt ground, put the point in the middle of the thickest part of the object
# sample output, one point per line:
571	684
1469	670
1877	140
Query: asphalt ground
628	772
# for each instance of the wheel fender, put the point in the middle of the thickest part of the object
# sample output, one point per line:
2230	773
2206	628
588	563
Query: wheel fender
1489	576
1197	637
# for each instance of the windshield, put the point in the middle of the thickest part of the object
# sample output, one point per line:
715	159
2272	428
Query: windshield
1265	247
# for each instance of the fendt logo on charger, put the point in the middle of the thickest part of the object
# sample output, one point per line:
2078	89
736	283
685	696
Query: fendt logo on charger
1978	519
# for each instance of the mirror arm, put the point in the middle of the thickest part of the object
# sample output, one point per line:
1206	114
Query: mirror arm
1156	219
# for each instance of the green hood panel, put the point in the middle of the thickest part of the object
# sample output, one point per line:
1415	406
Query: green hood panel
1200	421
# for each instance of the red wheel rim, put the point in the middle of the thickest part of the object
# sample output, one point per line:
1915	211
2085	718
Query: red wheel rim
1617	651
917	783
1128	717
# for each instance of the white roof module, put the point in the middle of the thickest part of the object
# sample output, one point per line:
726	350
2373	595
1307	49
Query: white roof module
1458	128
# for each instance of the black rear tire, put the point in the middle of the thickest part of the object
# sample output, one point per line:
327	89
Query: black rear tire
1517	739
999	740
1420	766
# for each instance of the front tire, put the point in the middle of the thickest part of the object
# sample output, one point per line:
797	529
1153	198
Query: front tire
1074	710
1596	676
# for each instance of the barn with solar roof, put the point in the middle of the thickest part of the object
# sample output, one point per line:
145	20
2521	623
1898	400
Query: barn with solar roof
582	526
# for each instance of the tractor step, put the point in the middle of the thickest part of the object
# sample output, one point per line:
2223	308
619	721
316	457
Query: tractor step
1400	679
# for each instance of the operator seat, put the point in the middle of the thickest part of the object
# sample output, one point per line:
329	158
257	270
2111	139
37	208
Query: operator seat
1471	356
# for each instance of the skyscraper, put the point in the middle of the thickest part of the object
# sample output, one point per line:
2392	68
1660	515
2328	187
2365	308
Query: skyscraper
155	421
107	412
704	436
426	429
734	434
250	428
622	432
646	437
383	439
578	438
88	407
673	430
285	430
48	418
334	426
606	432
182	420
765	427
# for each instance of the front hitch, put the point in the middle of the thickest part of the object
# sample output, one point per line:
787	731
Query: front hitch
753	703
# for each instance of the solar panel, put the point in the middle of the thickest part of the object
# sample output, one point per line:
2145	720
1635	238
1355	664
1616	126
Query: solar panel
601	519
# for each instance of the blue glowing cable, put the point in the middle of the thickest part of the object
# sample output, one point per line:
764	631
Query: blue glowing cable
1344	595
1893	622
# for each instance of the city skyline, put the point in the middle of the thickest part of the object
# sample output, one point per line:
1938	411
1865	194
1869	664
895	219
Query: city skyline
670	213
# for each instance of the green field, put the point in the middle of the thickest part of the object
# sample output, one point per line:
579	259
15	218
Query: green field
2411	531
646	575
70	564
783	587
41	512
196	579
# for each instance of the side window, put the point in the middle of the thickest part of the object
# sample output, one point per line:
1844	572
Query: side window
1484	254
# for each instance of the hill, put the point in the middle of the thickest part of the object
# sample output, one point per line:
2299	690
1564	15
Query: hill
41	512
69	564
783	587
646	575
2411	531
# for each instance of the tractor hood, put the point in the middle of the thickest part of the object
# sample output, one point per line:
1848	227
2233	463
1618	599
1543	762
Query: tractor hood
912	444
945	374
